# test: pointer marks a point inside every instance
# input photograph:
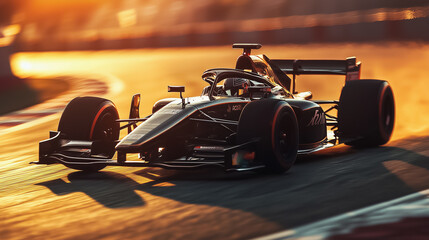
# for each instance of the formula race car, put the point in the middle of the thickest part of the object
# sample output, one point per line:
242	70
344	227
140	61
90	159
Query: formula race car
247	118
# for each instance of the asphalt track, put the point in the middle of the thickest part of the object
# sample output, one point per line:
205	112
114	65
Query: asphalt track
53	202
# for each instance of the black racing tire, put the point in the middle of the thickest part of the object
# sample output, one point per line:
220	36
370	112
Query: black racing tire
274	123
90	119
366	113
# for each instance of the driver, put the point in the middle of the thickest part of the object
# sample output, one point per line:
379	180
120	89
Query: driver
236	86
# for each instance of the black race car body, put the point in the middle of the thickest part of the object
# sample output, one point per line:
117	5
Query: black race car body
246	118
202	118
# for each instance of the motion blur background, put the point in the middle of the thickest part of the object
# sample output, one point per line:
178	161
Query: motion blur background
112	24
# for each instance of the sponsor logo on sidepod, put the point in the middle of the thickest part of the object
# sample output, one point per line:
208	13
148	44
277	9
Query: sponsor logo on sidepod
318	119
236	107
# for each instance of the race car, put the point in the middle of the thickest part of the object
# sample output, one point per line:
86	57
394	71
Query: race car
248	117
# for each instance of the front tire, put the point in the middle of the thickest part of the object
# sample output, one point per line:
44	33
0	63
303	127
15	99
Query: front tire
366	113
274	123
91	119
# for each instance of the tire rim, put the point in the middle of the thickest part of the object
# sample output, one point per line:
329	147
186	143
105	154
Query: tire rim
105	128
285	137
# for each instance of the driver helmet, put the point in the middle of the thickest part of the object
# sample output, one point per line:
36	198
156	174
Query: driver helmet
232	86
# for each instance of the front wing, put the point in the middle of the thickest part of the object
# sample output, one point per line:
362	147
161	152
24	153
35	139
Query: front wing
78	154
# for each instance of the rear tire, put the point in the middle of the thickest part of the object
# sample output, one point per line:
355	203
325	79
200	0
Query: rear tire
366	113
90	119
274	122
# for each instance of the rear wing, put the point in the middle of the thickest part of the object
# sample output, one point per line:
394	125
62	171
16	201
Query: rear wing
349	67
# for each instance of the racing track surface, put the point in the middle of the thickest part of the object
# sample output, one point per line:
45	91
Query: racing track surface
53	202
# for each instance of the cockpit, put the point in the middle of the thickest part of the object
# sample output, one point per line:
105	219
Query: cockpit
237	87
236	83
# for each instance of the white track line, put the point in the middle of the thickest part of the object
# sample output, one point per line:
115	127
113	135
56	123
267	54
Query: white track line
413	205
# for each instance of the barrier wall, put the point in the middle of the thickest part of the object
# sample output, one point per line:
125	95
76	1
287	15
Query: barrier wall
377	31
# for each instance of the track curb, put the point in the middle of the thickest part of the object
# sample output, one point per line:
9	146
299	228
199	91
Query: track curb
79	86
